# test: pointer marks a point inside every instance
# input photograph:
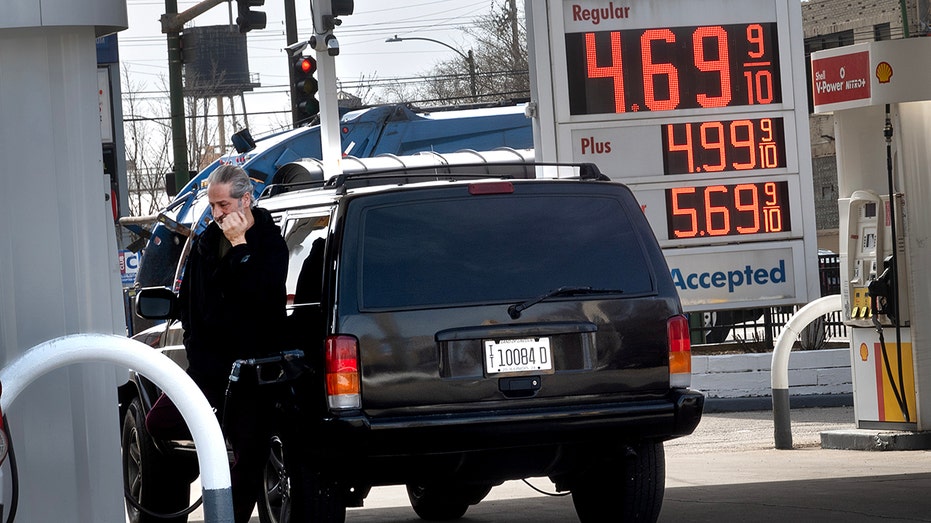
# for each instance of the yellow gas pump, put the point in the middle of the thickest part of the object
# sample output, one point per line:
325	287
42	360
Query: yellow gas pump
882	124
876	312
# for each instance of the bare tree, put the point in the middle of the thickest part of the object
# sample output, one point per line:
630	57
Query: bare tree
203	140
148	141
500	58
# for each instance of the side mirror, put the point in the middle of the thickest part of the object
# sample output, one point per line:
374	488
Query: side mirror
156	303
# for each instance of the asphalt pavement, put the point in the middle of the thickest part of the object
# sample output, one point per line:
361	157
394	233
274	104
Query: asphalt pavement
729	470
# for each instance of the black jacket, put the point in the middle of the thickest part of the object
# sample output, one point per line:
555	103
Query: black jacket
231	307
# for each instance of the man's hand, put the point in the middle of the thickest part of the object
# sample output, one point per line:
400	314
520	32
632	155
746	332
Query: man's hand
234	226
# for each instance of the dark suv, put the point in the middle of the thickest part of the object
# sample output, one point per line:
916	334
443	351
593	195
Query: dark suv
469	324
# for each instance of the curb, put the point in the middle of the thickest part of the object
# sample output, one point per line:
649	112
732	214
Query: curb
713	405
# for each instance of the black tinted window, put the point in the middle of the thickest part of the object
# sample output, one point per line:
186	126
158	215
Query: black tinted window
485	249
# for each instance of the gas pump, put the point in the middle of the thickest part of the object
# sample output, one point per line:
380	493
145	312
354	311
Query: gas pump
882	129
876	310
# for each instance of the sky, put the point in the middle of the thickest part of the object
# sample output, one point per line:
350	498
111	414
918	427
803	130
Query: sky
364	54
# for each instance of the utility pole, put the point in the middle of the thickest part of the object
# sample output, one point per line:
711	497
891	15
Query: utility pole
290	22
176	98
515	33
326	45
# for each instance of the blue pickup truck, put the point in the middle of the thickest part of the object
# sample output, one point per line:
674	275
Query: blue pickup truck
383	130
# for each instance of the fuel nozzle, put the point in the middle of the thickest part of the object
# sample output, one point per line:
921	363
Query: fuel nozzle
234	377
882	299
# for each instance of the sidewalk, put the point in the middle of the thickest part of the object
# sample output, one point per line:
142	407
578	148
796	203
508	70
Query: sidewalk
728	470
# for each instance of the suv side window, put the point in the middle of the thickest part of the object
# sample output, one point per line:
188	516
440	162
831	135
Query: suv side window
306	240
305	236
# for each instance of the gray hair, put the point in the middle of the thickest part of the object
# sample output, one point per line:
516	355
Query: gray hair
235	176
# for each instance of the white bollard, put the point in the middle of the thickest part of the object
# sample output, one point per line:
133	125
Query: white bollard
184	393
782	424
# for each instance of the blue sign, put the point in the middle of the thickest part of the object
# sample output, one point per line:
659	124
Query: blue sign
129	266
108	51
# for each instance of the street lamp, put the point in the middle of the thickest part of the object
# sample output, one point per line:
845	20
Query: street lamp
470	59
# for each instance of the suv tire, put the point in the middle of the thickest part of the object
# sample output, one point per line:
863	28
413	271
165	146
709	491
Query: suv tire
152	479
627	489
294	493
275	501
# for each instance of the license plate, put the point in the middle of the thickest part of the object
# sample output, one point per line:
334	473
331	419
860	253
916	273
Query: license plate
524	355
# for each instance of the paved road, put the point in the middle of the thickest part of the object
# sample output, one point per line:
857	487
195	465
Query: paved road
729	471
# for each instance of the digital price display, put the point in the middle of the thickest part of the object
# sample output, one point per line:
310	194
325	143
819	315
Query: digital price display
723	145
668	68
700	108
728	210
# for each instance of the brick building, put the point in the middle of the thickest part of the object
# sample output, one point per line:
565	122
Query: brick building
834	23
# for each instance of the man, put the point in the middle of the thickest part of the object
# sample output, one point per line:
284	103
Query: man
232	302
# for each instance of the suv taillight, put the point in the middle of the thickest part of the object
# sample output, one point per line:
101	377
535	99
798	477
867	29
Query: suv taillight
342	372
680	352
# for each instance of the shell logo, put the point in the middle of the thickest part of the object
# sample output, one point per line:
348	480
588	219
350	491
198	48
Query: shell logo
883	72
864	352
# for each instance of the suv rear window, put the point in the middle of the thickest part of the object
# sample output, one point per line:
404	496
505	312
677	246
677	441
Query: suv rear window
460	251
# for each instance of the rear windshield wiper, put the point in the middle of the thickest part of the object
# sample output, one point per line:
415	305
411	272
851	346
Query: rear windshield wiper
515	310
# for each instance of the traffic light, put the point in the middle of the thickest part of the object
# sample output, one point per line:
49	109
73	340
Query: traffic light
304	104
249	19
341	7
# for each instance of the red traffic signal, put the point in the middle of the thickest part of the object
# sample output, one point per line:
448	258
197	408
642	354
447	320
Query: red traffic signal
307	65
304	86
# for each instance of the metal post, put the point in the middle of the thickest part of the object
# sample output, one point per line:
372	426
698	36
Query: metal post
471	60
221	124
290	22
176	98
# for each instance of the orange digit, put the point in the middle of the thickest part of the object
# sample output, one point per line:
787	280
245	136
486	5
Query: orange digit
755	37
683	147
721	64
692	214
753	207
711	210
615	70
707	144
766	125
652	70
749	143
770	189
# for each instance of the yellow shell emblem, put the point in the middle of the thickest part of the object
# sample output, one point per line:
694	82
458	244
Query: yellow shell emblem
883	72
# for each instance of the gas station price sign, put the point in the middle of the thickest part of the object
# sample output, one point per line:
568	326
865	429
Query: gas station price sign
728	210
723	145
669	68
701	109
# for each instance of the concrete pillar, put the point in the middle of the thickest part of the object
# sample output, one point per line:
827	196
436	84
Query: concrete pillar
58	261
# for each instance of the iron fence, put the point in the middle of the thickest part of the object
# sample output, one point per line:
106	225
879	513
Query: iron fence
755	330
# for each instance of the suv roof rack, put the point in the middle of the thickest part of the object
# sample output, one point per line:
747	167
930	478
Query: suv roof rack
389	169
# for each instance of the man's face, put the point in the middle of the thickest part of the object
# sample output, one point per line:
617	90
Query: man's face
221	203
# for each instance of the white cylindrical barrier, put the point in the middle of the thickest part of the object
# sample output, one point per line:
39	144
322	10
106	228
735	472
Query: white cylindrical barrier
780	365
191	403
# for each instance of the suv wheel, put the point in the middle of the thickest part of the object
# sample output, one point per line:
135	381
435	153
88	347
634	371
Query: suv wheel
275	502
627	489
151	480
294	493
444	502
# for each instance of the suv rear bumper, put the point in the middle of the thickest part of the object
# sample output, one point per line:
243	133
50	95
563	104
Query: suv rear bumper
674	415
